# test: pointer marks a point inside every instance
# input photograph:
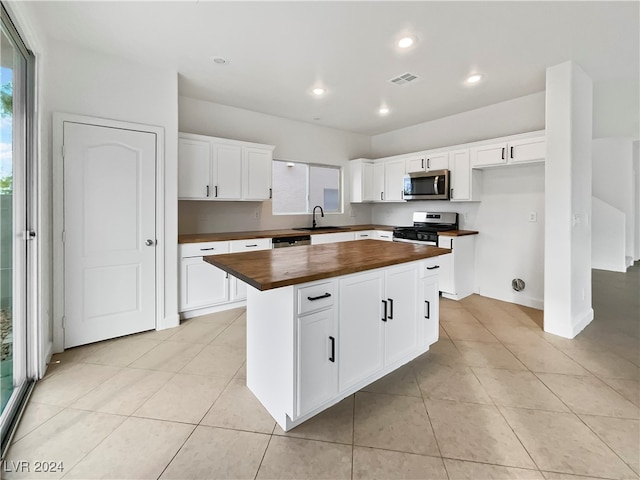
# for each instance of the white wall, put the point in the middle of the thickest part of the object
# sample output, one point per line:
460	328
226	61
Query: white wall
509	195
616	106
613	183
295	141
89	83
636	174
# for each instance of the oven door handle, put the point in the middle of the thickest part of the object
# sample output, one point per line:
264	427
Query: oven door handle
435	184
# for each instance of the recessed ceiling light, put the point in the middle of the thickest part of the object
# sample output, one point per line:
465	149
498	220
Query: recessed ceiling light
406	42
220	60
318	91
475	78
383	111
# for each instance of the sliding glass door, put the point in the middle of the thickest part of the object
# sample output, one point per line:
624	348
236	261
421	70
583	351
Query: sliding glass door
15	234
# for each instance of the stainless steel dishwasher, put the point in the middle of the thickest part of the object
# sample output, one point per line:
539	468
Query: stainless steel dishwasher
293	241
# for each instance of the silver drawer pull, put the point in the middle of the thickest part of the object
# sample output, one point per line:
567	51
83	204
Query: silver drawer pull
326	295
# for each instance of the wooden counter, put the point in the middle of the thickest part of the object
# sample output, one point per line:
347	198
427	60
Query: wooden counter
268	269
287	232
457	233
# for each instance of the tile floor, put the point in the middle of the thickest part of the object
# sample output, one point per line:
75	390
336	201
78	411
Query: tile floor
495	397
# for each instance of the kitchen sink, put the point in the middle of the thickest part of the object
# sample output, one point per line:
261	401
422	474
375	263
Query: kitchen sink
318	229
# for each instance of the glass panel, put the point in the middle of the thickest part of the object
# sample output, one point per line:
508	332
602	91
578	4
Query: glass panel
324	187
289	187
7	61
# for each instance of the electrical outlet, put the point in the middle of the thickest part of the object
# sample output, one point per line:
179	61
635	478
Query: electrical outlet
533	216
257	214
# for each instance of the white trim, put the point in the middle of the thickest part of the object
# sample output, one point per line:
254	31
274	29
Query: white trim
58	216
207	310
578	323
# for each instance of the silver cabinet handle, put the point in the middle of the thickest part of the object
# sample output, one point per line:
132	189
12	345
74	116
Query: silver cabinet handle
149	242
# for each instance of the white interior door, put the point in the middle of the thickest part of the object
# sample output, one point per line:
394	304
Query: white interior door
109	232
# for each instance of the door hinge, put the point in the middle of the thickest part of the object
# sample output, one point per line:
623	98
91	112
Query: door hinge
63	237
64	320
62	151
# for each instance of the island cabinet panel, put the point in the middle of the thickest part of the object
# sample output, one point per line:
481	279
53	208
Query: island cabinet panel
430	311
361	336
401	325
317	372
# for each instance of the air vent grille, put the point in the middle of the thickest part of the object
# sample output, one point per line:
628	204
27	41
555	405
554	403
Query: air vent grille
403	79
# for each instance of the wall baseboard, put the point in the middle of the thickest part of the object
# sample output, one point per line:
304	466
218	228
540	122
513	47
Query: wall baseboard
518	299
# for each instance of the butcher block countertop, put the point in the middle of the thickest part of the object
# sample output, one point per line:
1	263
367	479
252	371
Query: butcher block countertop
268	269
458	233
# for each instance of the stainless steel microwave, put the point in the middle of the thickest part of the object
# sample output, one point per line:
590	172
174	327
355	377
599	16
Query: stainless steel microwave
433	185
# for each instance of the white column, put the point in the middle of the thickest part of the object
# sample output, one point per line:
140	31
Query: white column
567	265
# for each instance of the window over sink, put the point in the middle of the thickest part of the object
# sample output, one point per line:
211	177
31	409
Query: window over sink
298	187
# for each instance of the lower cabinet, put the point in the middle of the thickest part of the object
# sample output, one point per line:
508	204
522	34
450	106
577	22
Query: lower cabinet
458	273
430	311
319	239
201	284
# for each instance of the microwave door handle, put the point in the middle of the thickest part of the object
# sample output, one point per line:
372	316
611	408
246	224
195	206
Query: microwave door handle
435	184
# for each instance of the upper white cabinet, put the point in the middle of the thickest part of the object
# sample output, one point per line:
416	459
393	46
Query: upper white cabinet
522	150
362	184
393	180
211	168
465	182
427	161
377	181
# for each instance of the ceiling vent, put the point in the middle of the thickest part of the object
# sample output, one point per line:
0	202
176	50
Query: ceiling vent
404	79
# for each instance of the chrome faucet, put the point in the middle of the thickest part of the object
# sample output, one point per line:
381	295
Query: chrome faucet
313	224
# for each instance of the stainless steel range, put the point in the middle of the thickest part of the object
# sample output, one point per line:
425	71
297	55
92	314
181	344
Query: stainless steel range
426	226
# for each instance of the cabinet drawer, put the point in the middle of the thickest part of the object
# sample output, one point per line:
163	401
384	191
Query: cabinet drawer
202	249
431	266
365	235
237	246
315	297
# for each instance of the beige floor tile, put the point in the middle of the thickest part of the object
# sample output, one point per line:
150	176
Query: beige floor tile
545	358
621	434
297	458
169	356
479	433
489	355
239	409
456	315
374	463
74	382
471	331
212	453
225	316
589	395
124	392
461	470
604	363
184	398
198	332
447	303
401	382
393	422
441	382
242	373
159	335
35	415
518	334
560	442
235	335
138	449
513	388
566	476
333	425
443	352
217	361
65	438
121	352
629	389
78	354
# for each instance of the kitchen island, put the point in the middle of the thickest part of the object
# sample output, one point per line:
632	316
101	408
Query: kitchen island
324	321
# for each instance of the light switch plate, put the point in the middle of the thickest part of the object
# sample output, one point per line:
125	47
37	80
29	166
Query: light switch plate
533	216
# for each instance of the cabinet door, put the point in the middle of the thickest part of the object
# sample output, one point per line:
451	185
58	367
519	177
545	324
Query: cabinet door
430	311
227	160
238	289
401	327
257	174
437	161
332	238
384	235
460	175
368	183
317	373
415	164
527	150
488	155
366	235
194	168
378	181
394	180
361	330
201	284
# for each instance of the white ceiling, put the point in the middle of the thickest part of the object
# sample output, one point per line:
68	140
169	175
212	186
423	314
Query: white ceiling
279	51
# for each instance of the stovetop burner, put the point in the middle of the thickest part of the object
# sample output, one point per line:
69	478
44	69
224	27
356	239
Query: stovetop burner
426	226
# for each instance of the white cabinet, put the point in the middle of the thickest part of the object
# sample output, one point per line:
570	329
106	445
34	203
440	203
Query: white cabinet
237	288
361	332
465	183
401	325
365	235
362	183
321	238
202	284
378	181
394	180
195	168
384	235
429	328
427	161
211	168
458	273
317	375
523	150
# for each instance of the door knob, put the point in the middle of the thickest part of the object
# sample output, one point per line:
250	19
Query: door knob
149	242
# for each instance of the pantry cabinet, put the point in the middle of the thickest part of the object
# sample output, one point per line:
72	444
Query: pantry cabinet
211	168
